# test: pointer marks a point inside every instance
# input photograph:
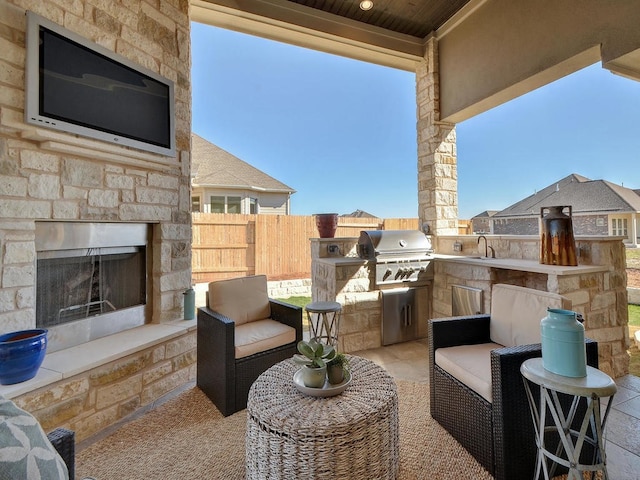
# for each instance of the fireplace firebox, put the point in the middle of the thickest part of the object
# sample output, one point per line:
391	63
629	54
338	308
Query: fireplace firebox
91	279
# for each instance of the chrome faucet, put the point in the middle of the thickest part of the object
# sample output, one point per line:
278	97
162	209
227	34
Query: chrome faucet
486	251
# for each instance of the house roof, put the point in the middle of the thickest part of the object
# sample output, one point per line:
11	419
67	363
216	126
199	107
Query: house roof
214	167
359	214
584	196
486	214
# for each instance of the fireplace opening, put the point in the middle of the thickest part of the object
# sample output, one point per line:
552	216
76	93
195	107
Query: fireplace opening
92	279
100	281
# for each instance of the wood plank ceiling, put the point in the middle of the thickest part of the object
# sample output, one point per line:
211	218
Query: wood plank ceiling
416	18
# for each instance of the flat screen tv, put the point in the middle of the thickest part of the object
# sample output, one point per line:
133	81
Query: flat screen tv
82	88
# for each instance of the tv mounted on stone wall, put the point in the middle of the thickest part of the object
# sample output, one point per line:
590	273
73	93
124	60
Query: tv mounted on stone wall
79	87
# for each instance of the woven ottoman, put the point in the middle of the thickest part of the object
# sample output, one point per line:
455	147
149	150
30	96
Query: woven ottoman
352	435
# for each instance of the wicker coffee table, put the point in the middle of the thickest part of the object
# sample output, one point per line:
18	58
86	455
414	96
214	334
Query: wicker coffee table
353	435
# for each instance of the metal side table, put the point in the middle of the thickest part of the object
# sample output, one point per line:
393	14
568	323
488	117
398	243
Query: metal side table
592	388
324	321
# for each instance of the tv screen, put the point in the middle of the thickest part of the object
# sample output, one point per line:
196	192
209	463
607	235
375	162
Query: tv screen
79	87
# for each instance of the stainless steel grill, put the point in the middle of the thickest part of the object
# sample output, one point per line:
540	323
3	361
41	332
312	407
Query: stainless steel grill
401	256
402	259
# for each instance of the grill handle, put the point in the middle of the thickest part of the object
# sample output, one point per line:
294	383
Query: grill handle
406	315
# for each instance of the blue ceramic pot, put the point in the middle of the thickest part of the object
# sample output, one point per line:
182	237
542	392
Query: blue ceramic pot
21	354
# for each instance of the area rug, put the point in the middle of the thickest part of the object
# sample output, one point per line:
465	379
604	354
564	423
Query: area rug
187	439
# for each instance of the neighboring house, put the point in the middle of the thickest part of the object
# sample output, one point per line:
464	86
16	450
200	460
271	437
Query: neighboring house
222	183
359	214
598	207
481	223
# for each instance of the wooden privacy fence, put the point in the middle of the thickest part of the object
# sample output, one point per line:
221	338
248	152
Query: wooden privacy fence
235	245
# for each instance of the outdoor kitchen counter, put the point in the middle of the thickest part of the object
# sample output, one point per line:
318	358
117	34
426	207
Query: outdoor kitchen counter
521	265
342	260
504	263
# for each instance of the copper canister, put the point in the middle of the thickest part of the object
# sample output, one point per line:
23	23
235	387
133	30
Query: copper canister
557	245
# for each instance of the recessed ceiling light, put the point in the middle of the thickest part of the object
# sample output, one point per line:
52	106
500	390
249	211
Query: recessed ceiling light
366	5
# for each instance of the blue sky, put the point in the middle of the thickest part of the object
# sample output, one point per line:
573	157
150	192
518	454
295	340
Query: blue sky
342	132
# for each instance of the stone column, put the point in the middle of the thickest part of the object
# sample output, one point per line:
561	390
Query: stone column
437	170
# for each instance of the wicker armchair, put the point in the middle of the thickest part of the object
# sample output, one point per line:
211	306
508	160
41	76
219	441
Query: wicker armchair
225	370
64	442
500	433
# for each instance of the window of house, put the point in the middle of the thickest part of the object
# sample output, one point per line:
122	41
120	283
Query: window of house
222	204
234	205
216	203
195	204
619	227
253	206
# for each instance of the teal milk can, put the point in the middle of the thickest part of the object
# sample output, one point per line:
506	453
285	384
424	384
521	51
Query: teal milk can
563	348
189	304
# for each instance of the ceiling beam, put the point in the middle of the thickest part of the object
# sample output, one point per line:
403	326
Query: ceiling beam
289	22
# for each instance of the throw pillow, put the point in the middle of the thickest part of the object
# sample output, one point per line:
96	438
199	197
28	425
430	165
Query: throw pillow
25	450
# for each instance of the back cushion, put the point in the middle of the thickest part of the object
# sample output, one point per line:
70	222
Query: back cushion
241	299
516	313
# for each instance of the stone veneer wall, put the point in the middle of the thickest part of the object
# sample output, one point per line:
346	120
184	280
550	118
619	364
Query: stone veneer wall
437	153
98	398
600	297
350	284
48	175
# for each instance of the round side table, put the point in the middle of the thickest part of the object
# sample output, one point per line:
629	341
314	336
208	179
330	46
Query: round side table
592	388
353	435
324	321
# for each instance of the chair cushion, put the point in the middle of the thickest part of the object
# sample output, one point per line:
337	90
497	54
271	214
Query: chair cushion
243	300
261	335
470	364
25	450
516	313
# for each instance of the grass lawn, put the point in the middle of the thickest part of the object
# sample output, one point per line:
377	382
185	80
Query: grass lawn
633	256
299	302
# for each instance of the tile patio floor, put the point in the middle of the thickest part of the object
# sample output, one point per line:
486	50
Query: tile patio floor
410	361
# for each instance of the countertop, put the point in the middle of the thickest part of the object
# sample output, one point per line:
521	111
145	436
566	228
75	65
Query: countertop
503	263
522	265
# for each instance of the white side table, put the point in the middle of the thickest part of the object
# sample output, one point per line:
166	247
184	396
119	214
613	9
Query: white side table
324	321
593	387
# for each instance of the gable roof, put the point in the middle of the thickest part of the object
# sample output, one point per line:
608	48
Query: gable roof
214	167
359	214
584	196
485	214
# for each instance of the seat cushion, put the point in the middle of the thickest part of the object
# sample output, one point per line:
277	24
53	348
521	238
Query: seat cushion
243	300
25	450
470	364
516	313
261	335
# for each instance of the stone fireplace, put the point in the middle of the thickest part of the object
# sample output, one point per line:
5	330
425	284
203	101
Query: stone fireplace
118	341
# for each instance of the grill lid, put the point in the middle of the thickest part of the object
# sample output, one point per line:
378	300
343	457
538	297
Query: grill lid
393	244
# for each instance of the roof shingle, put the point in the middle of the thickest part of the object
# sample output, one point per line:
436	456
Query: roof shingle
212	166
584	196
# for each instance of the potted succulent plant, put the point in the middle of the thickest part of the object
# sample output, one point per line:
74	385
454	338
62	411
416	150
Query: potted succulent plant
336	368
313	357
